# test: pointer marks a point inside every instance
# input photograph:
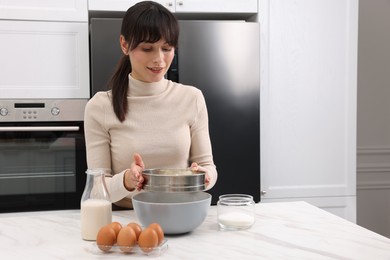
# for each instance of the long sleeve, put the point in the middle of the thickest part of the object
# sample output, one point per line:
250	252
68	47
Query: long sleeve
98	145
167	124
201	150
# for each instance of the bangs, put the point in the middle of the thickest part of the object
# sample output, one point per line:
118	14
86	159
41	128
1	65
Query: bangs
151	26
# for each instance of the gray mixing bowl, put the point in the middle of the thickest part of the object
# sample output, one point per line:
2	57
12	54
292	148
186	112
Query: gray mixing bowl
177	213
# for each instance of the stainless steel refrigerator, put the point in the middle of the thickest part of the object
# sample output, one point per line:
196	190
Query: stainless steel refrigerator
222	59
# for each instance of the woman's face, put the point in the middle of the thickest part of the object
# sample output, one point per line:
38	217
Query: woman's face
149	61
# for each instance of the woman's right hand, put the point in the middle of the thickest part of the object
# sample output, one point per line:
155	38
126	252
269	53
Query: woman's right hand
133	176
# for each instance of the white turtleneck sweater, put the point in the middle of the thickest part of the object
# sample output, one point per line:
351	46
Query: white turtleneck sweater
167	124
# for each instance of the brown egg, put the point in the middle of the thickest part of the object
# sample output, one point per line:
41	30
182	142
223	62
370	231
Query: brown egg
160	232
116	226
106	238
126	239
148	240
136	227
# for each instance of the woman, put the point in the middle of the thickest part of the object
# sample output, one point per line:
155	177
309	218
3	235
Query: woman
145	119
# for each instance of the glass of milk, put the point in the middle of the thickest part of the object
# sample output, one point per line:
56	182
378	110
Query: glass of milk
235	211
95	205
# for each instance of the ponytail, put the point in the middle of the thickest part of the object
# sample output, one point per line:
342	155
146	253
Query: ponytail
119	85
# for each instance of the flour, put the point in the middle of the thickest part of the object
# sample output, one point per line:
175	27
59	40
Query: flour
235	220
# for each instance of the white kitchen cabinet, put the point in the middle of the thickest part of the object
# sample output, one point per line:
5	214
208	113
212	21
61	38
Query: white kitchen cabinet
46	10
44	59
181	6
341	206
45	51
308	102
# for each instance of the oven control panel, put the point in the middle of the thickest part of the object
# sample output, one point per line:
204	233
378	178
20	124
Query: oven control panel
42	110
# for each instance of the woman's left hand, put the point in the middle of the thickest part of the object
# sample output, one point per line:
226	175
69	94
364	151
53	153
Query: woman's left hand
195	168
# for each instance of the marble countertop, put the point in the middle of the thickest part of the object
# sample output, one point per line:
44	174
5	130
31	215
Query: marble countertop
285	230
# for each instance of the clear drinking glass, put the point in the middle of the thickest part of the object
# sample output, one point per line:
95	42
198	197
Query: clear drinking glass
96	209
235	211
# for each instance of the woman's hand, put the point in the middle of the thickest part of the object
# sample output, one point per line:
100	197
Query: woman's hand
133	178
195	168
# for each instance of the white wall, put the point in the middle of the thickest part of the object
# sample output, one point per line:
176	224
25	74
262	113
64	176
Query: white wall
373	116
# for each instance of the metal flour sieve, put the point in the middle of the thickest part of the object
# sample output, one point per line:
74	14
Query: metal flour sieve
173	180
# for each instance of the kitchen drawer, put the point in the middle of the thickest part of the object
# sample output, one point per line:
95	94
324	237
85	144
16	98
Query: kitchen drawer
216	6
44	10
111	5
182	6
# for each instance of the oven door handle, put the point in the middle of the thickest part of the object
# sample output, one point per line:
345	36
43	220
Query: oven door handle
39	128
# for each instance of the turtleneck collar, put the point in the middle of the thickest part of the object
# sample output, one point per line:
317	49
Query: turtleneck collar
141	89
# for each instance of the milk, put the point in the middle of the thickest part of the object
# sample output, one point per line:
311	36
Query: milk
95	213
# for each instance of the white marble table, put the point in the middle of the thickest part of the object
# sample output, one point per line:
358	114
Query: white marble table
291	230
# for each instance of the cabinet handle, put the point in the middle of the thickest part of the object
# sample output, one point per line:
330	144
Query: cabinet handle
170	4
263	192
180	3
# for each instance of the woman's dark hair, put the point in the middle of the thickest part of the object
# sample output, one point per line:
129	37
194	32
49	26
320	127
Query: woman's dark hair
146	21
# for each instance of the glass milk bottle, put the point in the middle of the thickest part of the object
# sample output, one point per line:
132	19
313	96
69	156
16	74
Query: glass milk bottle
95	205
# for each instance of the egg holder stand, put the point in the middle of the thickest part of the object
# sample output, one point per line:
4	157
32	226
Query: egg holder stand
149	251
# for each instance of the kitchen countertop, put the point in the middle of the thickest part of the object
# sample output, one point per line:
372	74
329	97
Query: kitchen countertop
284	230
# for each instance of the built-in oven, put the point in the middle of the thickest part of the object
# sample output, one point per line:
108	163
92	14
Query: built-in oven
42	154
